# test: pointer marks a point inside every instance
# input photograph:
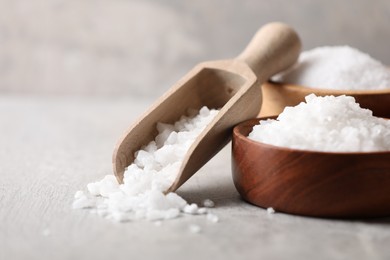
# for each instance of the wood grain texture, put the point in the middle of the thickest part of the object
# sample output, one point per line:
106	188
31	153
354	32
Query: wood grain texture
231	85
276	96
310	183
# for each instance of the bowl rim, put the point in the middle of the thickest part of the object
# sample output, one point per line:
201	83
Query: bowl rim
252	122
327	91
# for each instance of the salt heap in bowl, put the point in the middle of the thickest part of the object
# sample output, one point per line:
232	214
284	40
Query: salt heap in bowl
330	70
141	196
329	124
337	68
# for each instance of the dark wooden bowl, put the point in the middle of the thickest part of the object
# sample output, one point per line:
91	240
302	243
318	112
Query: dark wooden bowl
319	184
276	96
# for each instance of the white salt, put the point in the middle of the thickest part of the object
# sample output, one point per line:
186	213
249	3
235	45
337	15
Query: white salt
191	209
337	67
155	167
332	124
208	203
78	194
270	210
83	201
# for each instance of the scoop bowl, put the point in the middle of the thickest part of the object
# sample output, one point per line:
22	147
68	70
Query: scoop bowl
310	183
276	96
232	85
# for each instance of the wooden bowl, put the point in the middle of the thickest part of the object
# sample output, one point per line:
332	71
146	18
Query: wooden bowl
319	184
276	96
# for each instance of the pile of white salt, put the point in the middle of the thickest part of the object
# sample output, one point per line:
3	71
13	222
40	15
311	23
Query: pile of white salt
332	124
337	67
154	169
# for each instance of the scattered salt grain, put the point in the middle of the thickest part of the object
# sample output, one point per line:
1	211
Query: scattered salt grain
191	208
270	210
332	124
78	194
105	187
337	67
155	167
194	228
194	209
212	217
208	203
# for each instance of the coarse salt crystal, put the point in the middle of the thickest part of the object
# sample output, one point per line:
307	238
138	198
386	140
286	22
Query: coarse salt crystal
191	208
270	210
105	187
153	171
82	201
78	194
208	203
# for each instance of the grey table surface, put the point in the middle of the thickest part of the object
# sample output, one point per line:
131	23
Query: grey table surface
52	147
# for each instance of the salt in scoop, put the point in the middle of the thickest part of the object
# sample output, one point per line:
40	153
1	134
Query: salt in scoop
232	85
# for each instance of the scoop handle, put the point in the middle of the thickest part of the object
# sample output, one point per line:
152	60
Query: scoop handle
274	48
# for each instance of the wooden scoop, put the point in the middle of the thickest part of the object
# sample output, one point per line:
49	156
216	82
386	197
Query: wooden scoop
231	85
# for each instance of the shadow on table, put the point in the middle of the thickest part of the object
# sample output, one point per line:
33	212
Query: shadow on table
382	221
222	193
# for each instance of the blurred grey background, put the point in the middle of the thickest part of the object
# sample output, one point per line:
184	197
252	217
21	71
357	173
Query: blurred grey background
130	47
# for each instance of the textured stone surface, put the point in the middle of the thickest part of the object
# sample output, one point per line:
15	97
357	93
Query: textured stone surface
131	47
51	147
